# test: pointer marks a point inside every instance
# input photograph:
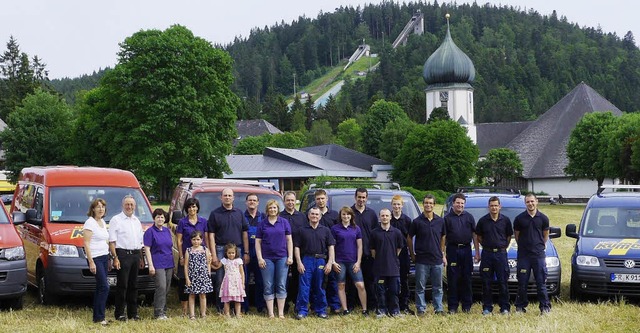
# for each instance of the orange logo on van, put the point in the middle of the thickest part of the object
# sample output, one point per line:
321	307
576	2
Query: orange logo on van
77	232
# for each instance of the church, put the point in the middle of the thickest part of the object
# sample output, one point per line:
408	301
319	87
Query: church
541	144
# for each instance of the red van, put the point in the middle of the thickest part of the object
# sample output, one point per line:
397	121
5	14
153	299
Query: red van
13	265
53	202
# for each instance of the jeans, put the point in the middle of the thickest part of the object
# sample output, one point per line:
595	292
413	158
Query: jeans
387	288
494	265
434	274
332	292
274	278
162	280
311	283
346	268
459	268
539	268
102	288
127	285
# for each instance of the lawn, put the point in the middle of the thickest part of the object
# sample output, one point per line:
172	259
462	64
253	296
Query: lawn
566	316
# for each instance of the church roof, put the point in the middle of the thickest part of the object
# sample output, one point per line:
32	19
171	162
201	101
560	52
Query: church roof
542	145
498	135
448	65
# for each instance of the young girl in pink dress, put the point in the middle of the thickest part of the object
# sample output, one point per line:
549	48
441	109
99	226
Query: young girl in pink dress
232	287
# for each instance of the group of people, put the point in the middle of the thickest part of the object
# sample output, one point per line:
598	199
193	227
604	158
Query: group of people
334	256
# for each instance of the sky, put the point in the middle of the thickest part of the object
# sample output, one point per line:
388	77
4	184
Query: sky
75	37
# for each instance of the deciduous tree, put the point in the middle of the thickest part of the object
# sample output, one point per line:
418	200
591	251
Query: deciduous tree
500	164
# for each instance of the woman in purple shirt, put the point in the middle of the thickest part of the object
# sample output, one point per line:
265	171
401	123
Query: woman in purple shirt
186	226
274	249
348	255
158	249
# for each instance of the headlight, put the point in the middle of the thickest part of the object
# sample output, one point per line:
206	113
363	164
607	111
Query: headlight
587	261
552	261
63	250
13	253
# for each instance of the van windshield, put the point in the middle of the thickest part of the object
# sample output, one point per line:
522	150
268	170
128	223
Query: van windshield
612	222
71	204
374	201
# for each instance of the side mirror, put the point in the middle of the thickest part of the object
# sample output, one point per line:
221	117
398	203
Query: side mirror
570	230
555	232
19	218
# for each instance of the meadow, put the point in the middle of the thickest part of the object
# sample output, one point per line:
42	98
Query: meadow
74	315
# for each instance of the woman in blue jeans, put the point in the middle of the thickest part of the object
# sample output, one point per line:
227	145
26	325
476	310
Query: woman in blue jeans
348	257
274	250
96	247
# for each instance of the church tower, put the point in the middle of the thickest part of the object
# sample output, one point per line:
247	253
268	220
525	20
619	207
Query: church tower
449	74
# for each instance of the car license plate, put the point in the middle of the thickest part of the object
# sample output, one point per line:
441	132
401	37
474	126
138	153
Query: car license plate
513	277
112	280
630	278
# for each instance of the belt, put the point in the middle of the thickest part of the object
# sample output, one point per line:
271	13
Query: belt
317	256
128	251
460	246
493	249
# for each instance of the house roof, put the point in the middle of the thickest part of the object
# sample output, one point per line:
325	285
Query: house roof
542	145
290	163
498	135
345	155
254	127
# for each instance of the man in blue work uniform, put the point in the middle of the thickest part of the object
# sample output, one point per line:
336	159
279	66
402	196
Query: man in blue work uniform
253	218
531	229
329	218
402	222
460	230
494	232
386	243
297	220
367	220
314	253
428	256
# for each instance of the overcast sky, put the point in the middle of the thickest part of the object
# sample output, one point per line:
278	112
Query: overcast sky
75	37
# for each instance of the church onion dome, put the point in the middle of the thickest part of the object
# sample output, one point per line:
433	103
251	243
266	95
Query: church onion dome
448	65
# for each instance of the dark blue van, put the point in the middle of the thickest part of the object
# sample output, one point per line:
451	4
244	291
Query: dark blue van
512	204
606	257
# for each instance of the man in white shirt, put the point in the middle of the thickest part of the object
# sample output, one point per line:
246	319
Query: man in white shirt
125	243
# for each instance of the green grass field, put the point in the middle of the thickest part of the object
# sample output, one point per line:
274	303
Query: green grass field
566	316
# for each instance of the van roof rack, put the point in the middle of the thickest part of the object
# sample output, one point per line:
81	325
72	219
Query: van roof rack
377	184
222	181
487	189
618	187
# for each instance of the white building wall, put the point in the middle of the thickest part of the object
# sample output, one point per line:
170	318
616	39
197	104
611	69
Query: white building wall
555	186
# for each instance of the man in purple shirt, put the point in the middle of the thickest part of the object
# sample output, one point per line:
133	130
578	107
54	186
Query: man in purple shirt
254	218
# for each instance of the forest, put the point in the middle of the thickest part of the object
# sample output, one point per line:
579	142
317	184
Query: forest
525	61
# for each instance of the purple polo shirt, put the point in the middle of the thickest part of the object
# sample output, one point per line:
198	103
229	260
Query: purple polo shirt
346	248
186	229
274	238
160	244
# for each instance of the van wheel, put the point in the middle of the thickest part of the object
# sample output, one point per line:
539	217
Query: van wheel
16	303
44	295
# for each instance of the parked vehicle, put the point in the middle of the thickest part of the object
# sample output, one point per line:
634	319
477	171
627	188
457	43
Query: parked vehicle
606	258
50	205
13	265
208	191
512	202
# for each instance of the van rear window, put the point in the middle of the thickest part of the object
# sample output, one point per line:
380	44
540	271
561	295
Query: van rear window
211	200
71	204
